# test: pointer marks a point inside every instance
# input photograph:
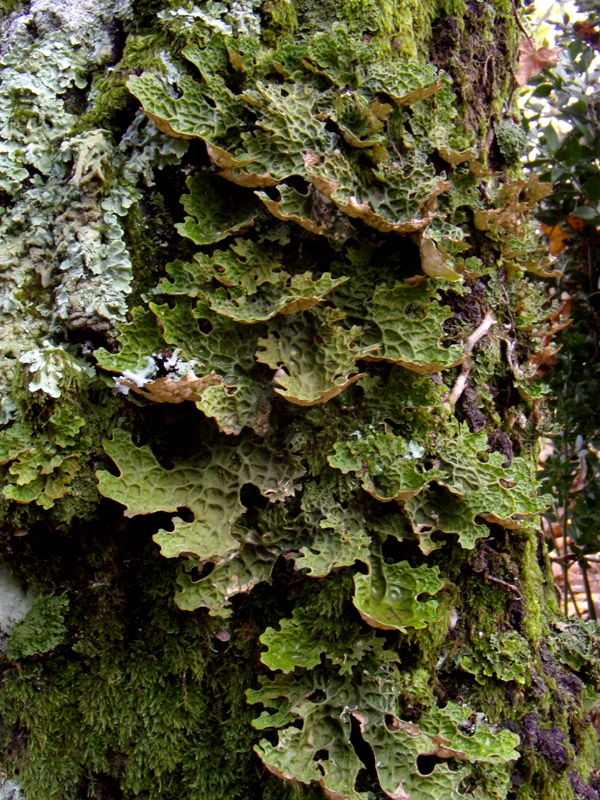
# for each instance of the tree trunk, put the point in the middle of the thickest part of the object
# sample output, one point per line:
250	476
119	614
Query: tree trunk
269	460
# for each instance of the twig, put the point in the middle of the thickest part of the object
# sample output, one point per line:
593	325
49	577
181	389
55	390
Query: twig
564	559
485	69
479	332
588	591
565	568
573	599
505	583
463	376
459	386
519	23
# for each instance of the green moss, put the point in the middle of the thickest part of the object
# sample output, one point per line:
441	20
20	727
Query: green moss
283	18
398	26
111	102
42	629
538	592
7	6
149	230
131	671
512	140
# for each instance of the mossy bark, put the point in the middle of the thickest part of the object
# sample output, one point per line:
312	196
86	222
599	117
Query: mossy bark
407	427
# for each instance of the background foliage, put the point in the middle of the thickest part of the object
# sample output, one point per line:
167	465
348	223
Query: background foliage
565	128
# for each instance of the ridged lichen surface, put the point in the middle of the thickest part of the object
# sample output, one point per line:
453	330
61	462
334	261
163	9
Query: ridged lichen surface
271	296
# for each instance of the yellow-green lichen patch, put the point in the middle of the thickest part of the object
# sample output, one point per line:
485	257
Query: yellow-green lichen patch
392	596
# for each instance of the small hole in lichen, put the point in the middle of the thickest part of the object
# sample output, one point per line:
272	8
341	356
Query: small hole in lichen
205	326
321	755
198	573
318	696
185	514
412	714
393	550
391	722
251	498
426	764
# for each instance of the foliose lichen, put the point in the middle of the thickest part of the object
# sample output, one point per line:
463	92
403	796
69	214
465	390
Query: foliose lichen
327	392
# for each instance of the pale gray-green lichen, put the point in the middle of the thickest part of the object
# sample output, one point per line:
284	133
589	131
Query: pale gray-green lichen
237	17
65	264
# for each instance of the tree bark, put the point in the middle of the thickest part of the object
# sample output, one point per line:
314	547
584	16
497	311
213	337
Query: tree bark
268	462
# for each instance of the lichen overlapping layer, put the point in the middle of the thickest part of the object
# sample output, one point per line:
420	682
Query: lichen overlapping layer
312	378
332	251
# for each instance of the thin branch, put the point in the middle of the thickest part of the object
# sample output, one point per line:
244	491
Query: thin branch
460	385
565	569
463	376
519	23
588	591
479	332
573	599
508	585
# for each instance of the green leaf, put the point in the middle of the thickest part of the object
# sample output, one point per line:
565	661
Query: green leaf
570	151
551	138
591	189
586	213
543	90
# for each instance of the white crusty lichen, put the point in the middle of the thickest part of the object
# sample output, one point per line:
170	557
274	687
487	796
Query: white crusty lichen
53	367
64	260
234	18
